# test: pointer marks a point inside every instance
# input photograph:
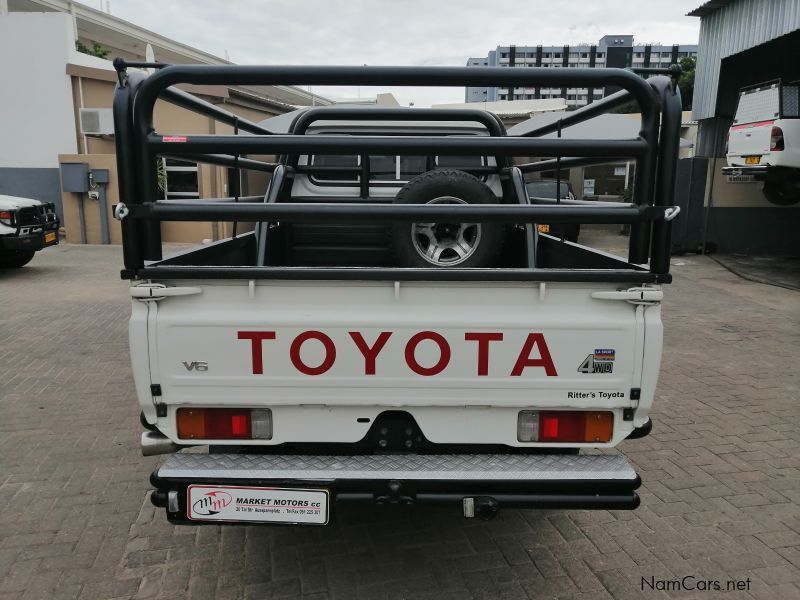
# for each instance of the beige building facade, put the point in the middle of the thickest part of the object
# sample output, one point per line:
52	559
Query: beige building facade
65	116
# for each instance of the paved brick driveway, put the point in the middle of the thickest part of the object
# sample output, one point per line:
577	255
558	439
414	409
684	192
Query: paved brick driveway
719	502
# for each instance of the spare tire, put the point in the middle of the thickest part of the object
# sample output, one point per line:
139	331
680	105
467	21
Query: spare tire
462	245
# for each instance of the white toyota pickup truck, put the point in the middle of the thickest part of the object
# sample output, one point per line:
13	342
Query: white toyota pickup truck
764	140
395	330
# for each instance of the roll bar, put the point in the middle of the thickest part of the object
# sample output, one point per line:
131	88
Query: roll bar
138	144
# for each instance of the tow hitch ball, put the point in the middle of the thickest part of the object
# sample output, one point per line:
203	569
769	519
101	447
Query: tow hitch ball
483	507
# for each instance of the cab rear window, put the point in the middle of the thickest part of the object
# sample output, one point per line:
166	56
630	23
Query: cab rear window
384	168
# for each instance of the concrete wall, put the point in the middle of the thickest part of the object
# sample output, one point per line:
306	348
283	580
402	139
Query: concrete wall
38	183
212	181
91	208
36	118
730	217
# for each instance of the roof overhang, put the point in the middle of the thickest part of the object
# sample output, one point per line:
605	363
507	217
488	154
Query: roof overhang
709	7
130	41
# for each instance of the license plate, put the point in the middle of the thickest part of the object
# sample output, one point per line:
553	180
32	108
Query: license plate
543	228
49	237
257	504
752	160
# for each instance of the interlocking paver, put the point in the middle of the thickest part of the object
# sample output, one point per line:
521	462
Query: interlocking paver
721	471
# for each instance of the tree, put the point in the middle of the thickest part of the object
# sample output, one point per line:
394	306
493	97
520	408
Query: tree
686	81
96	49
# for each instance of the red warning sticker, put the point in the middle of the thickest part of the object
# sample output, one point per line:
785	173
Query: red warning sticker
173	138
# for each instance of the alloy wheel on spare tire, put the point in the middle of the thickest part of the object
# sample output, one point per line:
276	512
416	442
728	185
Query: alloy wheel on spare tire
463	245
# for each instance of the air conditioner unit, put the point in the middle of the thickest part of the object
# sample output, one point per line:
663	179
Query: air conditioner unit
97	121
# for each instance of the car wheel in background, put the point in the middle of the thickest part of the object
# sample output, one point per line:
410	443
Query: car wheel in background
13	259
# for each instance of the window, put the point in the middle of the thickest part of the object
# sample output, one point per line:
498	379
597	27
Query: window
504	55
459	161
384	168
666	55
181	179
584	55
325	160
638	54
546	188
396	168
546	55
600	55
556	54
411	166
574	54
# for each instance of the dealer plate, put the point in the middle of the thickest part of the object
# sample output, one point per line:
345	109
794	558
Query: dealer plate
257	504
752	160
543	228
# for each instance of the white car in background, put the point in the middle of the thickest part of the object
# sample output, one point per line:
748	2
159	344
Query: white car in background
764	140
26	226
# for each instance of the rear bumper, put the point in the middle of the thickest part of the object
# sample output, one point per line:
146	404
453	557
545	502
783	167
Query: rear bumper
484	480
754	170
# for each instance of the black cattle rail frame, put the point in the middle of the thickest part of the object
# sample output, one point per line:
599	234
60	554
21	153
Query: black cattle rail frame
138	145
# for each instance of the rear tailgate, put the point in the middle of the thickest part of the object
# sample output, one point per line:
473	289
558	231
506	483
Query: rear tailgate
750	140
323	355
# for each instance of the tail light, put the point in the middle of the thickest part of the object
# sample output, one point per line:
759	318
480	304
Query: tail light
776	139
7	217
565	426
224	423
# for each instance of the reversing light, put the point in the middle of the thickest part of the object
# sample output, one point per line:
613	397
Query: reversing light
224	423
565	426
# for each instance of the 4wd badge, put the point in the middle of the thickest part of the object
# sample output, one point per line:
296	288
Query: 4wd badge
601	361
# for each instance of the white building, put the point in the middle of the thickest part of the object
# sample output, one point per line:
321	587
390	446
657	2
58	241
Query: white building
611	51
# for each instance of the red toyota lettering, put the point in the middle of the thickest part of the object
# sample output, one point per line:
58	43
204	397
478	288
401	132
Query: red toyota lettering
370	353
444	353
327	362
525	360
256	338
483	340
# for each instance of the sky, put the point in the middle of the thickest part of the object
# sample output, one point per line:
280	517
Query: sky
399	32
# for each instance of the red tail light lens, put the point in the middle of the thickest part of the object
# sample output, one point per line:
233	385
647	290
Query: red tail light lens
776	142
565	426
224	423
